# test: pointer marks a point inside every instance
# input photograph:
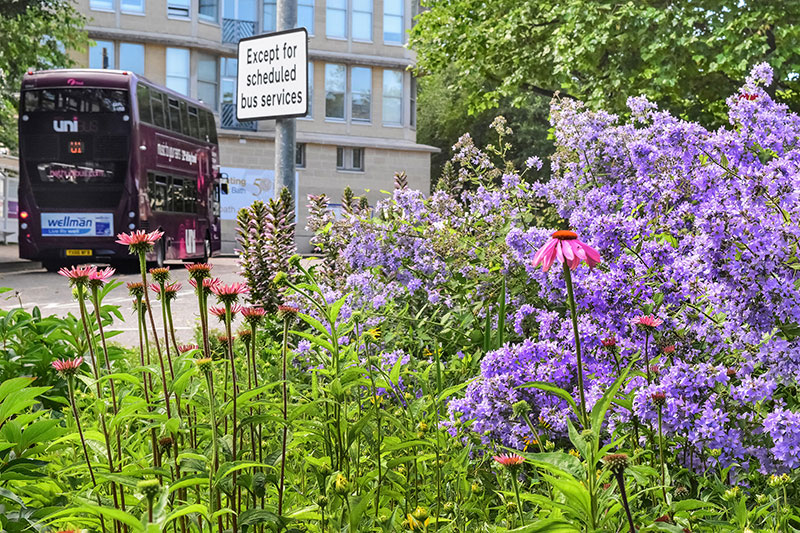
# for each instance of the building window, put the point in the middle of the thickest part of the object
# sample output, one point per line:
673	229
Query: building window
101	55
131	57
362	20
102	5
336	19
270	15
349	158
360	94
335	85
305	15
393	21
412	119
178	70
208	10
132	6
393	97
207	79
179	8
300	155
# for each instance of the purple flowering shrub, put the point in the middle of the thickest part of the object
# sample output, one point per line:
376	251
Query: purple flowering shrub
698	227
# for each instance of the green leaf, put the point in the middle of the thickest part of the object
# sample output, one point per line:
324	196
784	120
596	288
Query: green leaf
601	407
549	387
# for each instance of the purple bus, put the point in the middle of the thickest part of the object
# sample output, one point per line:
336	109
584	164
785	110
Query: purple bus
103	152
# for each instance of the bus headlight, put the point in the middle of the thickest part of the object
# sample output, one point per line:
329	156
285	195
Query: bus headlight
131	214
24	225
131	226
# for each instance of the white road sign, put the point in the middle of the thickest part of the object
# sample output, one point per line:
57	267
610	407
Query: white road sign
272	80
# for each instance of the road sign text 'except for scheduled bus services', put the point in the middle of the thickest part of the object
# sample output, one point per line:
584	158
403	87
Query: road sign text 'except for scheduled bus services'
273	76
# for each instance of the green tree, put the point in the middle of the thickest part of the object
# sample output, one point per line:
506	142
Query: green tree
35	34
683	54
448	115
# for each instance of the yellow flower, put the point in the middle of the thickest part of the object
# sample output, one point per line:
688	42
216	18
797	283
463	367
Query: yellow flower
529	441
575	453
375	333
415	524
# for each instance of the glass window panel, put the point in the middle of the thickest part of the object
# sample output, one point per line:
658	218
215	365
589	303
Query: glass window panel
207	79
101	55
300	155
392	97
174	111
178	70
228	90
132	6
229	9
339	157
358	159
131	57
336	18
208	10
361	93
362	20
247	10
393	29
305	15
334	90
362	26
104	5
270	15
413	103
143	100
157	104
178	8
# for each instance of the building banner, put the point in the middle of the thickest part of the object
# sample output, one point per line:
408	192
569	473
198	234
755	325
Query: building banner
245	186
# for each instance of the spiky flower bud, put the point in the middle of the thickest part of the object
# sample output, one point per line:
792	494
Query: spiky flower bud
616	462
520	408
322	501
149	487
341	485
659	398
205	364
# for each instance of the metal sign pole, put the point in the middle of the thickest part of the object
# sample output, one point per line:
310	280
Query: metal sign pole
285	128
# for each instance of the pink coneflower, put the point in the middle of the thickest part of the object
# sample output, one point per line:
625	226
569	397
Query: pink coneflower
199	270
253	314
98	278
228	294
219	311
183	348
568	249
668	349
67	367
208	284
509	460
136	289
139	241
609	342
288	309
659	398
160	274
78	275
654	369
647	321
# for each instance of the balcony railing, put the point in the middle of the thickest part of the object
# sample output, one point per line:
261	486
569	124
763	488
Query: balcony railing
234	30
228	119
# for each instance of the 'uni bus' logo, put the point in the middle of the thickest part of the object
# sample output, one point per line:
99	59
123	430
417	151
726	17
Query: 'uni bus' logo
65	125
73	81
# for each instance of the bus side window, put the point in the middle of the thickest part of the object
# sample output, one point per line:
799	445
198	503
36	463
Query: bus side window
176	195
194	129
203	123
143	99
190	196
158	193
157	101
185	129
174	115
212	128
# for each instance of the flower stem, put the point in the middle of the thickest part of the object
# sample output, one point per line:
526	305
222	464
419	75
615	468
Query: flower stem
143	269
574	313
519	500
284	350
234	394
624	496
661	453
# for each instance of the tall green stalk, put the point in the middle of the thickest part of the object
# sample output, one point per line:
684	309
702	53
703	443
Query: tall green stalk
574	314
284	354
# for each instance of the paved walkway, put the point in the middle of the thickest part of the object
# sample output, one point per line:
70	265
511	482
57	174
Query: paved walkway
10	261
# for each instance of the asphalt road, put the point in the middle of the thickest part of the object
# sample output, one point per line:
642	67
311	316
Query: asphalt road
53	295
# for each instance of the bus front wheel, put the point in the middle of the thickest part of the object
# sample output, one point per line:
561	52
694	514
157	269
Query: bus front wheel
52	265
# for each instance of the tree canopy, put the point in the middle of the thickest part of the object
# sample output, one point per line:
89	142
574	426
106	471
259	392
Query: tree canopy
34	34
683	54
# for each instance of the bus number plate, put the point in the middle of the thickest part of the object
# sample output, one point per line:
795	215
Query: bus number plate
79	252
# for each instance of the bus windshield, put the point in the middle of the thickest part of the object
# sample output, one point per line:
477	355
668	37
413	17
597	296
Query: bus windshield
83	100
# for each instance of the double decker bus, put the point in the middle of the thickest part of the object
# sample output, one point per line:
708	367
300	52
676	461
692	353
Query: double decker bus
103	152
